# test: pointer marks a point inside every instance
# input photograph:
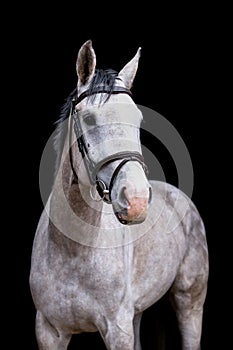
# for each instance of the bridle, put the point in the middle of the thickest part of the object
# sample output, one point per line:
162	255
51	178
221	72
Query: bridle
92	167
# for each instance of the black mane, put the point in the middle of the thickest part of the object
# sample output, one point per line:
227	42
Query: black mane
62	128
104	78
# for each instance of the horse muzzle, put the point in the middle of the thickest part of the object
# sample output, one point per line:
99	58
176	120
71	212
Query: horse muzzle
131	210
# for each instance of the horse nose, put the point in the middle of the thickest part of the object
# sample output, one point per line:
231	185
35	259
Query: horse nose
133	206
123	198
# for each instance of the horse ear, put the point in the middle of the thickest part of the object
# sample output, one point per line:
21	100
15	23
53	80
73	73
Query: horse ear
129	71
86	62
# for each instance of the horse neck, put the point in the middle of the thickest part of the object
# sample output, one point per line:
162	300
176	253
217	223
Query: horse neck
71	208
74	214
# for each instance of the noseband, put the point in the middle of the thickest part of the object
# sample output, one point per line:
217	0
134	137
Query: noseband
92	167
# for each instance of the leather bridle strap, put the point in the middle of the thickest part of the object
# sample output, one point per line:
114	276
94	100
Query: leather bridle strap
116	90
100	185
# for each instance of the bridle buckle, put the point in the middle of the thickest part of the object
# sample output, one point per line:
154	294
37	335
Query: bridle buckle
103	190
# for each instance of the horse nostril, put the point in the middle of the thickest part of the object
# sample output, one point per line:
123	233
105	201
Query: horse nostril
150	195
122	198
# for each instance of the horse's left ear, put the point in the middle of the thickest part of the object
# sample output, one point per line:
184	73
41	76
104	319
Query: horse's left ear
129	71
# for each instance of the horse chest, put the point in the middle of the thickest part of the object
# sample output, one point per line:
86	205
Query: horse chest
141	273
96	273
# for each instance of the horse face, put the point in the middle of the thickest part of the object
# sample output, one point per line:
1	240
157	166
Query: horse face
110	132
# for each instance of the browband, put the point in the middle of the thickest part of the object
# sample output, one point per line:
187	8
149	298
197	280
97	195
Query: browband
116	90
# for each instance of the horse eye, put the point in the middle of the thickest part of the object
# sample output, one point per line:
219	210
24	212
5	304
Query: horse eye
90	120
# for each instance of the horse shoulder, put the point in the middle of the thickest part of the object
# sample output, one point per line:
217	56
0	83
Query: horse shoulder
192	274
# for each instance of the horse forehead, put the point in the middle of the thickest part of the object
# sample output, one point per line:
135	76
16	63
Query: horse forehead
116	104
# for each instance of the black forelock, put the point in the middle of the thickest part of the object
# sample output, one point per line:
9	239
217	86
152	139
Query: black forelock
104	79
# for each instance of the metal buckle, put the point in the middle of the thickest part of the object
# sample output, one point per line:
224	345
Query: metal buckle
103	191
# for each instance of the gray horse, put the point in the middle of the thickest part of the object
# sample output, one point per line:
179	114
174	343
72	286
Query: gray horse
110	243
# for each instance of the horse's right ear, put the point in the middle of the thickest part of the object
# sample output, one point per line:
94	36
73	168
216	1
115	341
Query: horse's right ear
86	62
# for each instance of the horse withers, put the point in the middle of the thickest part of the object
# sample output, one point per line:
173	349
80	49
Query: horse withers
110	243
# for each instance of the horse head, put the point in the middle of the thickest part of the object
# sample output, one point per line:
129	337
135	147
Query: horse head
107	126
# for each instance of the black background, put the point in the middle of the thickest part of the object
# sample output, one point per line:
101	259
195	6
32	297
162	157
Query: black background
177	77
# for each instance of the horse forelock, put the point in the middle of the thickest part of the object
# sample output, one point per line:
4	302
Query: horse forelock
105	79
